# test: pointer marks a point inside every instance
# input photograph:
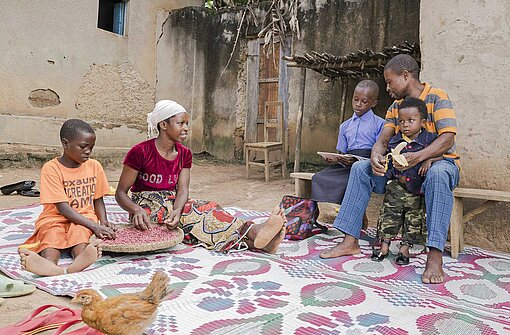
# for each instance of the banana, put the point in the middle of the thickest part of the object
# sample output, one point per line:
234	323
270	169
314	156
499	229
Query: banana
398	148
400	159
397	156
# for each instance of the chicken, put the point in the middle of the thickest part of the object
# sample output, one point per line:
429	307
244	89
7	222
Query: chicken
124	314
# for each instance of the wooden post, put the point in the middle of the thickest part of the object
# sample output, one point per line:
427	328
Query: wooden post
345	83
456	228
299	121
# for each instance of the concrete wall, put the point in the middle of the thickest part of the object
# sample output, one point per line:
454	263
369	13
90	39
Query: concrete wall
191	54
465	48
196	44
57	64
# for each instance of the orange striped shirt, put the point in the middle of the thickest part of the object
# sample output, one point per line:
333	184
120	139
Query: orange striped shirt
441	118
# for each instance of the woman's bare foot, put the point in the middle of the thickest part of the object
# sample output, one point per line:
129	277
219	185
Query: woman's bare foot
87	257
433	273
272	247
35	263
264	233
349	246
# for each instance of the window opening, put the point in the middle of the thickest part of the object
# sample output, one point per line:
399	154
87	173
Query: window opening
111	16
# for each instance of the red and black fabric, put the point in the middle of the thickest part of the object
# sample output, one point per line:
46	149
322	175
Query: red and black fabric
301	217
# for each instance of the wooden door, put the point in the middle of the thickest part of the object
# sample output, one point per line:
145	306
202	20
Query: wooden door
267	80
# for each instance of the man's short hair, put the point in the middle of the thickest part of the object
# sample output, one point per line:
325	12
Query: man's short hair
402	62
370	85
72	127
410	102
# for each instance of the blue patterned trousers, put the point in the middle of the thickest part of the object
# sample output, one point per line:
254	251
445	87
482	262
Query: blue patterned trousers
440	181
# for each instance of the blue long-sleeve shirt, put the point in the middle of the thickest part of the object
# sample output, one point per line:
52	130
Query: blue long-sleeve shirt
359	132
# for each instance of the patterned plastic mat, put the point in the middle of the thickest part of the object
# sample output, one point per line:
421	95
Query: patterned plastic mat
293	292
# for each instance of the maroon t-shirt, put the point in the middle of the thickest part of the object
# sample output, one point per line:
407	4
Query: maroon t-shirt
156	173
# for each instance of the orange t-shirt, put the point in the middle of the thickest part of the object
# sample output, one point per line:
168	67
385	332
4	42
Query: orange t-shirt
77	186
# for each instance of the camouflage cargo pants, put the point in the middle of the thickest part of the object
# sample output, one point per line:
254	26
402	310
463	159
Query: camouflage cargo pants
402	210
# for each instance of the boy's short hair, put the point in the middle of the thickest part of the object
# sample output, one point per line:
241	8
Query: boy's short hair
72	127
370	85
410	102
402	62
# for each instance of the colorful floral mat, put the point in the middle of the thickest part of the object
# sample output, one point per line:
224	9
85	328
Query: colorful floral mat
293	292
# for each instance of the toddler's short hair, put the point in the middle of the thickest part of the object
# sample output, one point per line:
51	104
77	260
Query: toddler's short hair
410	102
402	62
72	127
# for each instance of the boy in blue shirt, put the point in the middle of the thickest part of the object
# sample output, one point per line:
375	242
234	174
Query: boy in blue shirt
356	136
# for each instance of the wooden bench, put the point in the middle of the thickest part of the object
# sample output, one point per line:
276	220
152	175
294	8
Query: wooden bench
303	189
459	218
303	184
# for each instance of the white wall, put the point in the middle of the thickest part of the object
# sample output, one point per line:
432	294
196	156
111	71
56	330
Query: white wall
466	51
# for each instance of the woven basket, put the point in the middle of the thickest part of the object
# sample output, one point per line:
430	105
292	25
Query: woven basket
168	239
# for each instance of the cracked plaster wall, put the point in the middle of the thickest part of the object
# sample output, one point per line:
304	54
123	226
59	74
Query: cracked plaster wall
106	79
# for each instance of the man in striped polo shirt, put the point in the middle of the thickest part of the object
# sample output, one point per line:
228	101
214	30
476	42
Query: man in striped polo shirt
402	78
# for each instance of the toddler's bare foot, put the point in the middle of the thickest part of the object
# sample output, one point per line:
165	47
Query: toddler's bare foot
35	263
265	232
272	247
88	256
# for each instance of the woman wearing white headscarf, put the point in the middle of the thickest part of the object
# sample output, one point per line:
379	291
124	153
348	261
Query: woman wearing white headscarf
157	172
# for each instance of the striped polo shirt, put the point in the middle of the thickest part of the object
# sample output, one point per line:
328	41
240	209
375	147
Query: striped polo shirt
441	118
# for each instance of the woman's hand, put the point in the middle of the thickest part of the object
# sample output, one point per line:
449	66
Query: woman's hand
141	219
103	232
109	225
173	219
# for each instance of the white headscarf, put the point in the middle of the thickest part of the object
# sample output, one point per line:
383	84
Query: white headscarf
162	111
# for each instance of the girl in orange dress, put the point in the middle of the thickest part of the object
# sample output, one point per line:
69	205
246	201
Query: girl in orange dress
72	190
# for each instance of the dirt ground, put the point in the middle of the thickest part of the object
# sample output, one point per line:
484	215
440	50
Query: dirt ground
223	183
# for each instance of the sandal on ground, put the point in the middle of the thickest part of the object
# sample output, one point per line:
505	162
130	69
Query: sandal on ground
14	288
20	186
402	259
33	324
378	256
85	330
29	193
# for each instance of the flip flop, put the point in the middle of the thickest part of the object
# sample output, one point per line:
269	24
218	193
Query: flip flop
85	330
19	186
14	288
29	193
33	324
